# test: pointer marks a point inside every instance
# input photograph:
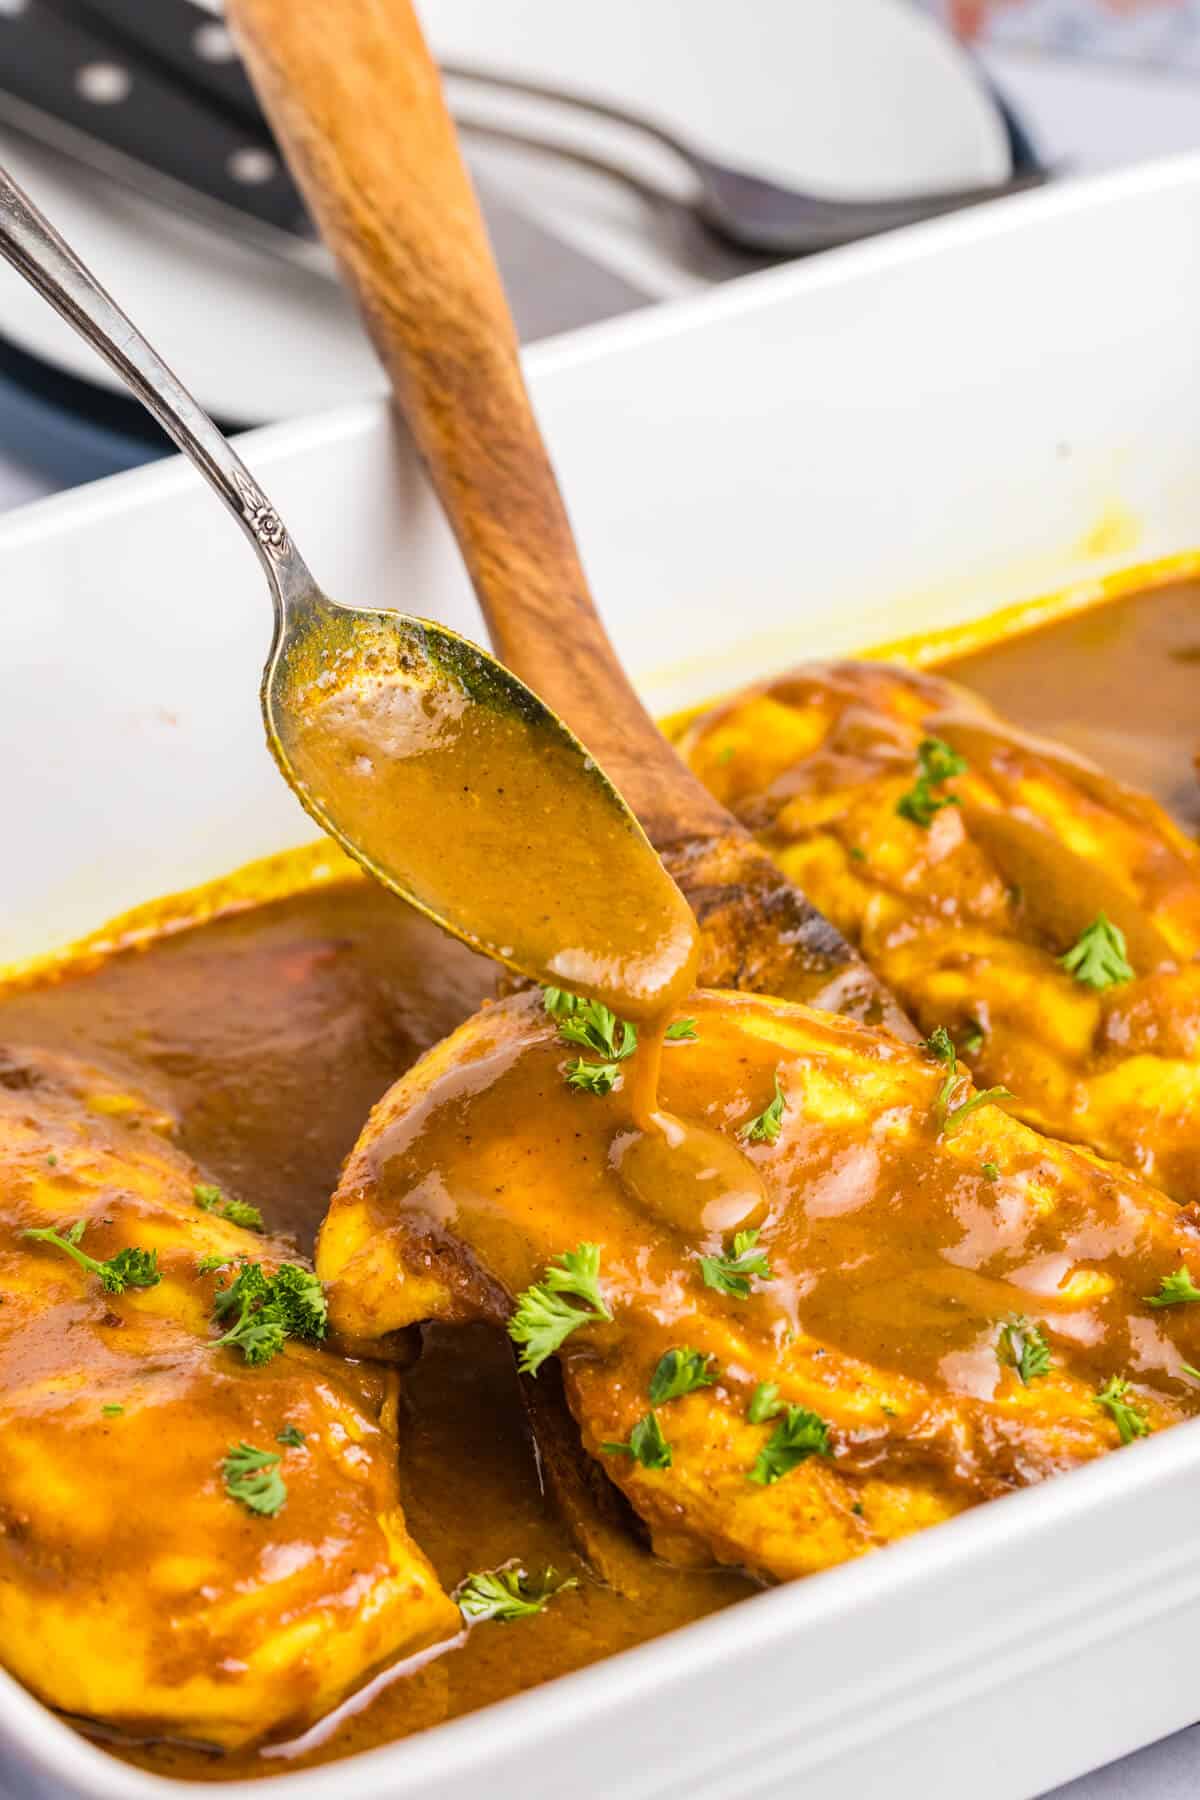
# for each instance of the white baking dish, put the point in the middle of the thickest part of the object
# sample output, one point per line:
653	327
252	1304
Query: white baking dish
904	434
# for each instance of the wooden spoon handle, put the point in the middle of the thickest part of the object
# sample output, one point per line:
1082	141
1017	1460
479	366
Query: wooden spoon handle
356	101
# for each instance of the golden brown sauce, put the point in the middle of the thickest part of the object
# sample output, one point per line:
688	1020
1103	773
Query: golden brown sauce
273	1032
890	1248
1117	682
132	1590
489	815
493	818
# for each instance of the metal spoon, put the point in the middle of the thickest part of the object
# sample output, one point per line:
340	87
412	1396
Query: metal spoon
746	210
381	723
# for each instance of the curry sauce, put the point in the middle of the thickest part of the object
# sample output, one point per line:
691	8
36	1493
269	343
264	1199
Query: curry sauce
272	1031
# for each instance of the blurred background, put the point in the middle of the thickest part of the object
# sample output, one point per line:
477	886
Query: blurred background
620	181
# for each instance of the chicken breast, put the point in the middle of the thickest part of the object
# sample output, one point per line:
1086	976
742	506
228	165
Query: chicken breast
191	1545
934	1304
965	875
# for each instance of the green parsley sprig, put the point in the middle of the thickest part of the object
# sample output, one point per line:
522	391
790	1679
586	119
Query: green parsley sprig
270	1309
958	1115
765	1127
764	1403
1125	1414
1024	1348
679	1372
798	1435
592	1026
507	1594
937	763
730	1272
1175	1290
646	1444
546	1315
210	1199
950	1119
1097	959
252	1476
128	1268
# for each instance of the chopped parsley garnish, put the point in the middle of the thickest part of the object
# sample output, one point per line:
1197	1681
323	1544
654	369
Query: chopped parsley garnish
128	1268
959	1114
764	1403
730	1273
682	1031
270	1309
1175	1290
646	1445
937	763
507	1594
679	1372
52	1160
972	1038
798	1435
592	1026
559	1004
1098	958
990	1171
545	1317
1124	1413
252	1476
112	1410
592	1077
239	1212
291	1435
765	1126
208	1265
940	1045
1187	1369
1023	1347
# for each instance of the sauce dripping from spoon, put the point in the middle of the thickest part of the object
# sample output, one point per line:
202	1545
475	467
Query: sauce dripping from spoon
490	815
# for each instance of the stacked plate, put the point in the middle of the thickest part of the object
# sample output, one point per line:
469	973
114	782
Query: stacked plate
845	97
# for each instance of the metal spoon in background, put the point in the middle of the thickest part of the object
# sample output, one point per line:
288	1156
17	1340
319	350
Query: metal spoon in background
435	768
748	211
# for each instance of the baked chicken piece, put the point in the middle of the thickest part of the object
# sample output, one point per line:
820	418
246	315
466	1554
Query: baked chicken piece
192	1544
999	885
929	1304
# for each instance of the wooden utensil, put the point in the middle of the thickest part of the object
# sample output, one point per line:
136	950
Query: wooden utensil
356	102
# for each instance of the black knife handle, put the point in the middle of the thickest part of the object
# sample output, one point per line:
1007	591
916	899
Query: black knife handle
186	41
60	67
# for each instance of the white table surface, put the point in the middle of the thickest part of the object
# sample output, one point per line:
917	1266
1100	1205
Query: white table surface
1087	118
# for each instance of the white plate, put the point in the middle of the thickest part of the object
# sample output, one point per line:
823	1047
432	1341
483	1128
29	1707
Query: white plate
904	433
859	93
842	96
